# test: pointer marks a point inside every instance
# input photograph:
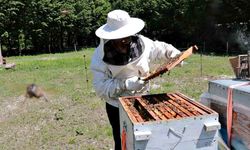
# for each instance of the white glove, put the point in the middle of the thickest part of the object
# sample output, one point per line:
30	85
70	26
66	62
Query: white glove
134	84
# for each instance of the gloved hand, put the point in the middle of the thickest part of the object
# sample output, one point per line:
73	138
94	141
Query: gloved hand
134	83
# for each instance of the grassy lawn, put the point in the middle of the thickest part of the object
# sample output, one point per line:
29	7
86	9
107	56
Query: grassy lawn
74	117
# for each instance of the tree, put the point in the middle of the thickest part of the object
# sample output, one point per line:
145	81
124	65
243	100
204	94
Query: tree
10	23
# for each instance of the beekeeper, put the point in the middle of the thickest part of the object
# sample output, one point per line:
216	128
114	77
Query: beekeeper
121	59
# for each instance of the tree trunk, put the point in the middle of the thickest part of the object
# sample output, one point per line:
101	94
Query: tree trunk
10	46
19	47
50	43
61	40
1	56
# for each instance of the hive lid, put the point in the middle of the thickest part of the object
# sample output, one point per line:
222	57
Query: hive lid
229	82
241	94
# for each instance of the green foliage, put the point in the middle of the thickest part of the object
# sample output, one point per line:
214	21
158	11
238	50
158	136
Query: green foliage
48	25
167	19
51	26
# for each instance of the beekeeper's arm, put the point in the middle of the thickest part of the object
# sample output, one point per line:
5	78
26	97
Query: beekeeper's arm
161	50
108	87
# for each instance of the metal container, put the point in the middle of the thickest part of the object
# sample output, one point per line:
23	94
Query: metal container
216	98
167	121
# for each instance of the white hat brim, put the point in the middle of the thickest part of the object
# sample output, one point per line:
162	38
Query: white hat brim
134	26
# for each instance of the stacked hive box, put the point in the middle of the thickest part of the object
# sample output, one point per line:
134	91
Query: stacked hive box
217	97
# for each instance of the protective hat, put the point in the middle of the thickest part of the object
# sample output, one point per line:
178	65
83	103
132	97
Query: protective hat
119	25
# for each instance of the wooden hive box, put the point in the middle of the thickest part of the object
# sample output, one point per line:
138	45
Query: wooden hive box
167	121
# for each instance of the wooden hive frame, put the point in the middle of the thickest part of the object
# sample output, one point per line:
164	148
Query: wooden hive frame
162	107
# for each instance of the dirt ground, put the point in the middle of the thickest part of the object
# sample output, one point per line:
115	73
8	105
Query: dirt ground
57	124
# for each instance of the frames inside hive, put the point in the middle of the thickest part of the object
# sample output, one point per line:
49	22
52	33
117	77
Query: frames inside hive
162	107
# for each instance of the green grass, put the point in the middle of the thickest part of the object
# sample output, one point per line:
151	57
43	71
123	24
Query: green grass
74	117
192	78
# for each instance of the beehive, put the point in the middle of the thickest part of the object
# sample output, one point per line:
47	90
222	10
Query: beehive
217	98
166	121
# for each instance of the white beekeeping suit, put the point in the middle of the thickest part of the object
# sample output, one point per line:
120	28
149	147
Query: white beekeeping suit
109	80
122	58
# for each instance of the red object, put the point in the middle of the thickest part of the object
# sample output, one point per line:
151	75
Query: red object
230	110
123	139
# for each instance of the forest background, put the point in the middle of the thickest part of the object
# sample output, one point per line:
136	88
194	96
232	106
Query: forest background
30	27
